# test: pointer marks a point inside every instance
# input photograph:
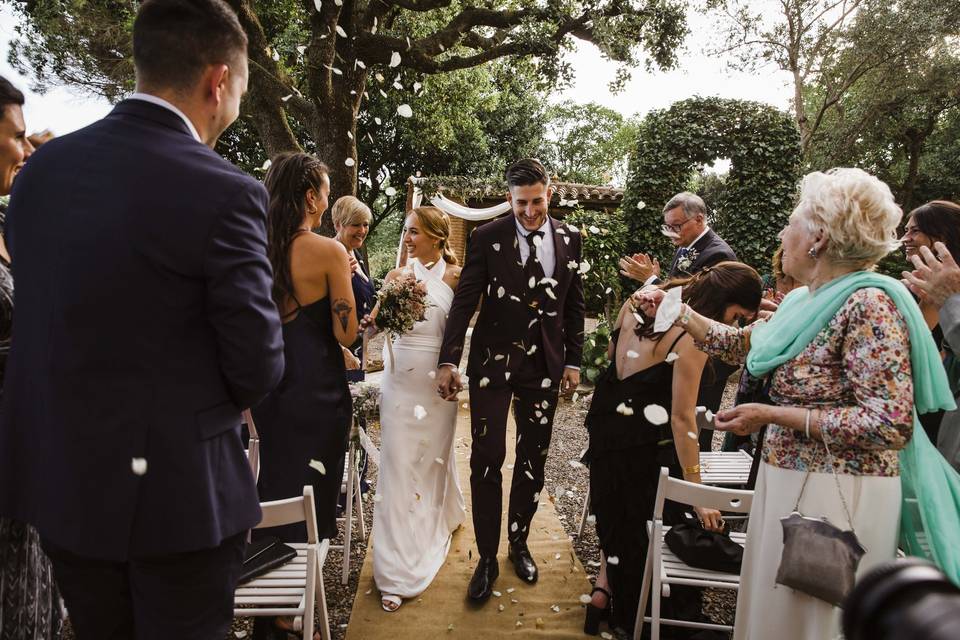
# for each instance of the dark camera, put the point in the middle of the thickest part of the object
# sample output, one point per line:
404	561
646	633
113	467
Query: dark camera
909	598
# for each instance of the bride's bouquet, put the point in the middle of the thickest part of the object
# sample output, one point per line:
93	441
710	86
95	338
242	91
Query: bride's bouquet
401	303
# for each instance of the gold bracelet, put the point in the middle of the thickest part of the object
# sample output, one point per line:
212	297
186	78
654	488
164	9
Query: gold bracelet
691	470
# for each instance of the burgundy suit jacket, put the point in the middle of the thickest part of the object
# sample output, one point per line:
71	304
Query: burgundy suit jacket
502	333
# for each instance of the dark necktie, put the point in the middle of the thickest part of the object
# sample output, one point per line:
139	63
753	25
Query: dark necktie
532	268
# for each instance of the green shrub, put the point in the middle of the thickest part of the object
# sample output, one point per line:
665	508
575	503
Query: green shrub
595	359
604	242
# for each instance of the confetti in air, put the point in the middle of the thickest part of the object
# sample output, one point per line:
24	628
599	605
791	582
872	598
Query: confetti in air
318	466
419	412
405	111
623	409
671	357
655	414
138	466
395	59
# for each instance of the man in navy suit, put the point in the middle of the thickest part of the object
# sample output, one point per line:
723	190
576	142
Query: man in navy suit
143	326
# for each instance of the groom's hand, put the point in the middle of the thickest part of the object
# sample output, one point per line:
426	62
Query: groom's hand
569	382
448	382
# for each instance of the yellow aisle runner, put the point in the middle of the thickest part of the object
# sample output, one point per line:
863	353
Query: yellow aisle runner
550	608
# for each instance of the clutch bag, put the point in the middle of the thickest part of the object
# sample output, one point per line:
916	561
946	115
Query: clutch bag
264	555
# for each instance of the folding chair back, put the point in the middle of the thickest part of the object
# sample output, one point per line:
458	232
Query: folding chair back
292	589
663	568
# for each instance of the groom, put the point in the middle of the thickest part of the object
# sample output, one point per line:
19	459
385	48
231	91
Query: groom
526	347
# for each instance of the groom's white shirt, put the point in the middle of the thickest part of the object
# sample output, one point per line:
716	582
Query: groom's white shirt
546	252
160	102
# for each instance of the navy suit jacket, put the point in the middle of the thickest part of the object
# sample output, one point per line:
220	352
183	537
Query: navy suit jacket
143	324
710	249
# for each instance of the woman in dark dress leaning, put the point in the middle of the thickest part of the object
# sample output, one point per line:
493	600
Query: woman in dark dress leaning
29	600
651	373
304	424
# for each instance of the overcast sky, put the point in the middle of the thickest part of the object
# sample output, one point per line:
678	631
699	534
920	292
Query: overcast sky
64	110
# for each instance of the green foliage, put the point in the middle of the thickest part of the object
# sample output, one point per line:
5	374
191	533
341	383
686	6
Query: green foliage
595	359
752	203
604	242
587	143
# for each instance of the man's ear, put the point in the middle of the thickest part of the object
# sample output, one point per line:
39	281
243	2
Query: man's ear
216	81
509	197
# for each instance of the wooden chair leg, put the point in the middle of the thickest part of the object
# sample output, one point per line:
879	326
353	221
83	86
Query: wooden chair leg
644	593
358	505
322	606
348	513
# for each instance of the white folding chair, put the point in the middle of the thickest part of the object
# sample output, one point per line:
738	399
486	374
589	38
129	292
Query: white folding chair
722	468
293	588
350	487
663	568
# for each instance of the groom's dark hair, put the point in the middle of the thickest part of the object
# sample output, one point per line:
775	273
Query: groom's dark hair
526	172
175	40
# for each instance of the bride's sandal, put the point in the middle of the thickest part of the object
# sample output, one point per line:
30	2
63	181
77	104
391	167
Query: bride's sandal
390	603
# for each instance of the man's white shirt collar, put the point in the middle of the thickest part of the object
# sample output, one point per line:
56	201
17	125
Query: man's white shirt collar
523	231
160	102
697	239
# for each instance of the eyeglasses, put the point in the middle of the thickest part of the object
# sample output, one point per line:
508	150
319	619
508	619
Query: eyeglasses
675	228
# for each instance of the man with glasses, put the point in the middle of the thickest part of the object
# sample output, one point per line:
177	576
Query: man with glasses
685	223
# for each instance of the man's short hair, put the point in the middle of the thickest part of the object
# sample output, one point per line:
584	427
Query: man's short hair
526	172
175	40
691	203
9	94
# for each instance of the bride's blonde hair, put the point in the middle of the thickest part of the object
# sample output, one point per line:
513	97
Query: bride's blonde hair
436	224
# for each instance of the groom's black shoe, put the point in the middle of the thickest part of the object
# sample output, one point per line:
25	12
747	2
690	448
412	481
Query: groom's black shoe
523	562
481	584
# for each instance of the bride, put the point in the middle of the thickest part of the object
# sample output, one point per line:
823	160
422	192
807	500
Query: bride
420	503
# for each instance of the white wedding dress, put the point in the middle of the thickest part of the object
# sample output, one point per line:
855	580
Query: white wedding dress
420	502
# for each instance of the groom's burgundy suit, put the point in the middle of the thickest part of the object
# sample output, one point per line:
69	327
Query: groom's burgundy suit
522	340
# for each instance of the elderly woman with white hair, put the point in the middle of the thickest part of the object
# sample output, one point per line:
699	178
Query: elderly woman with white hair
849	357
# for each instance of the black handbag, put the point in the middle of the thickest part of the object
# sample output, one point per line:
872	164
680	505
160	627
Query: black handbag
704	549
262	556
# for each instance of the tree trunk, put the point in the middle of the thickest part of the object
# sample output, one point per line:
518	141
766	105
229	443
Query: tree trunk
914	147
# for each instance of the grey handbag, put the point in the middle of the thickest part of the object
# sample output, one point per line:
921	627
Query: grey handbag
818	558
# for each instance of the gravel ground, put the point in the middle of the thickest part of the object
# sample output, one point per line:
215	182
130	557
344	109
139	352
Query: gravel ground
567	485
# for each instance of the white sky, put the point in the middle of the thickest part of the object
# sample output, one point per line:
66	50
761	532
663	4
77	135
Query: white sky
63	110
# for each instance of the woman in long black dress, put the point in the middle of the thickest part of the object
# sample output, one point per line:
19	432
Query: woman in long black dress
304	424
650	374
29	600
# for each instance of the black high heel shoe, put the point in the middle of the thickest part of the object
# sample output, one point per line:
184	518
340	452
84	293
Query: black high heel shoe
596	615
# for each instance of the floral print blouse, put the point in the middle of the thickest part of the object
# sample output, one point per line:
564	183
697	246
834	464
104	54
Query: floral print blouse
857	371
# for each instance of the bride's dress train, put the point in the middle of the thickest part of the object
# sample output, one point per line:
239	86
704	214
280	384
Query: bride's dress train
420	502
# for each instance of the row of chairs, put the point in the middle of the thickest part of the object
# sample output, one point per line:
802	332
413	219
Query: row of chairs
296	588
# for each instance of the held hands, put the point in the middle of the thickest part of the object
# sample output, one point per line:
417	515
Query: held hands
933	279
711	519
569	382
743	419
448	383
639	267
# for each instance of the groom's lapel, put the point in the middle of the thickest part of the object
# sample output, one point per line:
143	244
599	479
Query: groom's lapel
510	249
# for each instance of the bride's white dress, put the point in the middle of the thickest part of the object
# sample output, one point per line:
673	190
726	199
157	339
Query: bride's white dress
420	500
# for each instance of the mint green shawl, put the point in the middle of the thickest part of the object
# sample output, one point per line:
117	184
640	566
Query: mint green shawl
930	514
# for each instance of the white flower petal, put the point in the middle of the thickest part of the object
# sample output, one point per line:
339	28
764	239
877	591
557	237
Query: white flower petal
623	409
655	414
532	282
349	162
285	98
390	192
709	415
591	519
138	466
593	229
513	529
438	460
585	598
691	435
496	246
419	412
632	354
671	357
340	31
395	59
316	464
501	292
585	266
405	111
545	383
484	381
613	560
537	241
